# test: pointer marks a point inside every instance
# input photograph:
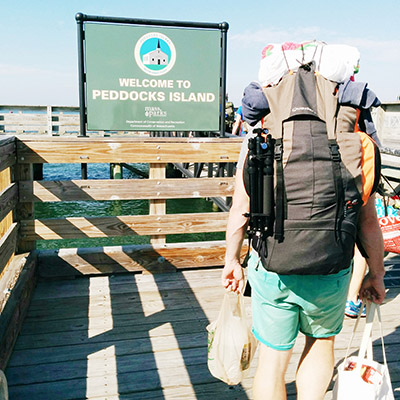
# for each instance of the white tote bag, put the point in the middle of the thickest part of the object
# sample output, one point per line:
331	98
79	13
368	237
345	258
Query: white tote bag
231	344
360	377
3	386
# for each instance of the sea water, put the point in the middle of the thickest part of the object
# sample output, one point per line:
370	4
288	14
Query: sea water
93	208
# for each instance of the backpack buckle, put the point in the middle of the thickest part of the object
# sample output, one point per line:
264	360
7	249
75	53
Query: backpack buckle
278	150
334	148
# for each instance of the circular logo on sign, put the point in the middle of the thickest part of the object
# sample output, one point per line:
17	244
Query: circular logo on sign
155	53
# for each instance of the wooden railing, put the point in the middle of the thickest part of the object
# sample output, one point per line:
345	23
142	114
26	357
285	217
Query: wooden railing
17	271
61	120
157	152
21	264
8	202
55	121
39	120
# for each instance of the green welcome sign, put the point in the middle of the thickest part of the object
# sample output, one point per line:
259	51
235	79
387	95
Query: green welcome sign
152	78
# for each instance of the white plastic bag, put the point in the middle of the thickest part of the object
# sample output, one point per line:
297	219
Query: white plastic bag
231	344
336	62
363	378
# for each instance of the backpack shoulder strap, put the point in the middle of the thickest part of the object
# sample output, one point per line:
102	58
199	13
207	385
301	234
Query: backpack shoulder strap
328	108
279	99
327	104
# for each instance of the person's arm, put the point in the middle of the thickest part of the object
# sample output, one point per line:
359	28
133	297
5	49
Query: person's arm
370	234
359	270
232	275
237	125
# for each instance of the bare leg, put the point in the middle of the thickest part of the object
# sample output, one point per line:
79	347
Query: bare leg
359	269
315	369
269	380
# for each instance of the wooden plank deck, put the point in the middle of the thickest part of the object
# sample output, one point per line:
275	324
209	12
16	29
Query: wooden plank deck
137	336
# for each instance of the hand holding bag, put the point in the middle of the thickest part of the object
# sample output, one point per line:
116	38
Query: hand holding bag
231	344
360	377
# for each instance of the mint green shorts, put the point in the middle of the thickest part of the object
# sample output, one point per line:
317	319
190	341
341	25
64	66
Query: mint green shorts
283	305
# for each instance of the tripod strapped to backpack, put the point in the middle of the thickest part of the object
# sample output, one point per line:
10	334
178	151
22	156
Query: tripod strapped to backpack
261	185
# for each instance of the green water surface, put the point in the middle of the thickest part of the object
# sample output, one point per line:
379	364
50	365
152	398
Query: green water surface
112	208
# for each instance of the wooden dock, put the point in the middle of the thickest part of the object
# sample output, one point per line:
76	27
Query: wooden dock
136	336
21	265
122	322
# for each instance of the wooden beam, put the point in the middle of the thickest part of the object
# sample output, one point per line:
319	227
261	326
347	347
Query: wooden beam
25	211
94	227
134	258
7	246
7	155
8	199
6	140
126	189
14	302
132	150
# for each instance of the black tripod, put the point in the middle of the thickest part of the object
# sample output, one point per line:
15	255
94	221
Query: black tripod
261	182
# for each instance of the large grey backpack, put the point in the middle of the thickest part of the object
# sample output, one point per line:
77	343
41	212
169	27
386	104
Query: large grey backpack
324	170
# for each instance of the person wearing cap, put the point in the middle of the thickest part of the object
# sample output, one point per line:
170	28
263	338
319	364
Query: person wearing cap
283	305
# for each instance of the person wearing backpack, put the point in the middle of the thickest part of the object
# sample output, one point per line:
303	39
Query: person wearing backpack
302	231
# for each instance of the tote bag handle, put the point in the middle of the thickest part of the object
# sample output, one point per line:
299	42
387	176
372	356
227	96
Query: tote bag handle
366	342
367	336
369	343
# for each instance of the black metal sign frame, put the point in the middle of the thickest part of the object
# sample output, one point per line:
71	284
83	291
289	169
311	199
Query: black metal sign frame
82	18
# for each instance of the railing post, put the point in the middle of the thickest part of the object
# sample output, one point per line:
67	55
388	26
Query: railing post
230	172
25	211
115	171
157	207
49	121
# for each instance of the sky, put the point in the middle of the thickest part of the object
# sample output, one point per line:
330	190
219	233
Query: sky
38	47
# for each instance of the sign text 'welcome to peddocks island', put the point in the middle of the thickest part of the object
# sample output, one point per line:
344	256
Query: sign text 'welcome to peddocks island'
152	78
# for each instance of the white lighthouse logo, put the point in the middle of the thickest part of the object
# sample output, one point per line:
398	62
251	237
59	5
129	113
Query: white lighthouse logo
155	53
